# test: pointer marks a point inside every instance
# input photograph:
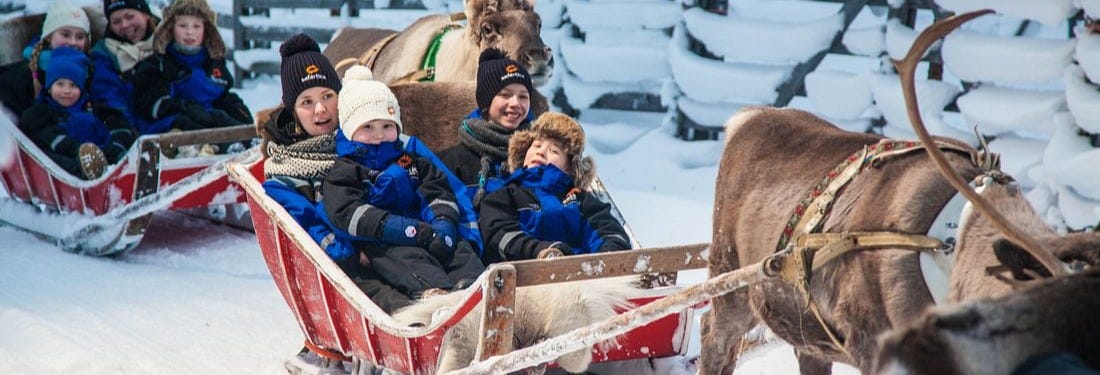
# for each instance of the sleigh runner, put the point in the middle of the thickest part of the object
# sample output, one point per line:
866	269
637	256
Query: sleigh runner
109	215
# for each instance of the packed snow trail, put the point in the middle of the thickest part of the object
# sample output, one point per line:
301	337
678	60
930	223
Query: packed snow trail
195	297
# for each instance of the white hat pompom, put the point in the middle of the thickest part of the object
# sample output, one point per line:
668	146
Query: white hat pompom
360	73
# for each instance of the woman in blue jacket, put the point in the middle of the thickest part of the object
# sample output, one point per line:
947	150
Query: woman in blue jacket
129	39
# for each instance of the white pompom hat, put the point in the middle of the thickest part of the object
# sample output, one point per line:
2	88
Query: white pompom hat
363	99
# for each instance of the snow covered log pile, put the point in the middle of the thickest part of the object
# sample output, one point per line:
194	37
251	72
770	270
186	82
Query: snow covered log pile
613	52
753	49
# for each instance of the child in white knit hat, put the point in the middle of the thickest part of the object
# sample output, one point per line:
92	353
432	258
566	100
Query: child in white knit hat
65	25
391	198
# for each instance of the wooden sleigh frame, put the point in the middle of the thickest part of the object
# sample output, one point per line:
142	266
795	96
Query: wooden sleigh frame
335	315
32	178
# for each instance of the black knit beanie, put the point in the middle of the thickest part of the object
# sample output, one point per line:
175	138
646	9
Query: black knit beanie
109	6
494	71
303	67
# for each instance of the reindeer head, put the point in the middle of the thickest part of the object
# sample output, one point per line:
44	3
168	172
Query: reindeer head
512	26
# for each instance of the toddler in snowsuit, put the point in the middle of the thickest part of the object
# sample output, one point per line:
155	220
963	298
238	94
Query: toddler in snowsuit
63	124
541	212
186	80
391	196
301	150
65	25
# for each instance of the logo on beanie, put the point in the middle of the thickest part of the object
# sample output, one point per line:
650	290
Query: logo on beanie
391	110
512	72
313	72
115	4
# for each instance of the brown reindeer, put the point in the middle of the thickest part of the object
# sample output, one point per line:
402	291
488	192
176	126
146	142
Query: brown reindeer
772	160
509	25
997	335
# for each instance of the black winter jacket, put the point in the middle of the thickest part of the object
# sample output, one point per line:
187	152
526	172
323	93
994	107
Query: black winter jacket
153	80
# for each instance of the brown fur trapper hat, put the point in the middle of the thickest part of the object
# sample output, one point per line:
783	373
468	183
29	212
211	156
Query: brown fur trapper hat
565	130
211	39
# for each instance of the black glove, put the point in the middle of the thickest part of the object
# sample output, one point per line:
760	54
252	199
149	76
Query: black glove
223	119
200	115
442	248
114	152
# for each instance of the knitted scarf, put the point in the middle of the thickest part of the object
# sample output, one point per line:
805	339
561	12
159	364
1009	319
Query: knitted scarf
488	140
128	54
310	159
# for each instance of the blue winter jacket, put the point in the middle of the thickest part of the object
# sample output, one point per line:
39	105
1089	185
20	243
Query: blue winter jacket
539	206
396	188
309	215
114	88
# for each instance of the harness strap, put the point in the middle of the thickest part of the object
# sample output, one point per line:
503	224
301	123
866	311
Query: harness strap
428	65
812	250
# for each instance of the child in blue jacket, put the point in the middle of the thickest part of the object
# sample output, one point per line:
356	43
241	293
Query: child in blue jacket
543	210
65	25
80	138
187	80
393	197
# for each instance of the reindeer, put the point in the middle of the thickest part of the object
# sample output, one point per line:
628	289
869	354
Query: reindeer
997	335
772	160
509	25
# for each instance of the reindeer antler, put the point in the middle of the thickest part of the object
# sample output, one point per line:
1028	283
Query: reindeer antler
907	69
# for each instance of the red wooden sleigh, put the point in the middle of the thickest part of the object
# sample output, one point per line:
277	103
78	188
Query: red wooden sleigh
117	204
336	316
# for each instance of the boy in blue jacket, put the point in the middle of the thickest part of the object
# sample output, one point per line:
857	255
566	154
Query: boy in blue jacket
543	211
187	80
392	197
65	125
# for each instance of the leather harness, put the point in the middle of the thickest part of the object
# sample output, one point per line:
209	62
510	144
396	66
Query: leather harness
802	249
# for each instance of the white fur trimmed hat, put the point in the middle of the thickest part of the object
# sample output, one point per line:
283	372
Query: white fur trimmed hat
63	13
363	99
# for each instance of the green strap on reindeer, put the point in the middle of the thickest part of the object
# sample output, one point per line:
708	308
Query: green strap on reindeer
427	67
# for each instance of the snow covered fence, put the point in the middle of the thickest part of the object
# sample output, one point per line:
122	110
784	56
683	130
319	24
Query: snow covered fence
259	26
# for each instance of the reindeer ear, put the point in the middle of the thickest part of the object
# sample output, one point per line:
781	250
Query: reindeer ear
476	9
1019	261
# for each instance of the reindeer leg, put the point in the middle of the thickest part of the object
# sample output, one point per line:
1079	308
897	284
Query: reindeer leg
723	326
810	365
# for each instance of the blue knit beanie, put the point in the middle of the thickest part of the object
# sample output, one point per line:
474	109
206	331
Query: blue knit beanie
67	62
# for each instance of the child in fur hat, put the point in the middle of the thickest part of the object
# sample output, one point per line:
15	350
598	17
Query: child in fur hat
185	84
65	25
129	39
63	125
387	192
301	149
503	106
541	212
